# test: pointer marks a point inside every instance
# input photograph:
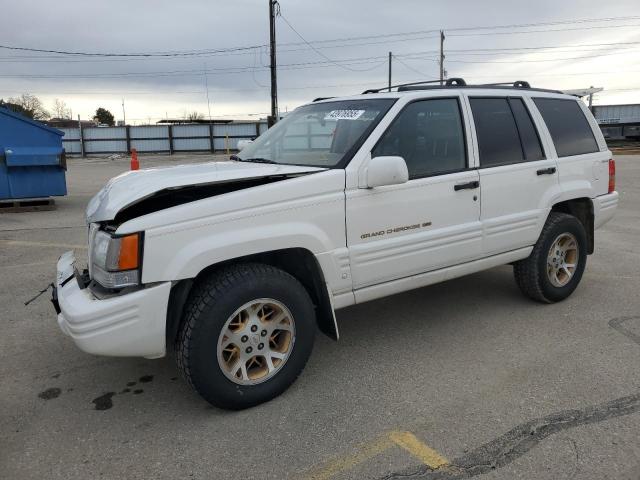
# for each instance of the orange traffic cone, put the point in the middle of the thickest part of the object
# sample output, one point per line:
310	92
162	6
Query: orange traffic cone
135	165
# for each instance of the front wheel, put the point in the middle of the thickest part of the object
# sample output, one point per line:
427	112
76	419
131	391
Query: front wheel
554	269
247	335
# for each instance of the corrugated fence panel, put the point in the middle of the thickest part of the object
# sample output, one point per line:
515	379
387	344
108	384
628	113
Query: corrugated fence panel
71	140
160	131
153	145
105	146
219	143
191	144
247	130
190	131
155	138
105	132
71	146
70	133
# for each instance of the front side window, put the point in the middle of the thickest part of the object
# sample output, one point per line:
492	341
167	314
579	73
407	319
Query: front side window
320	134
429	135
569	128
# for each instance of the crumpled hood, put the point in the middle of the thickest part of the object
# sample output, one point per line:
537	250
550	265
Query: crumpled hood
131	187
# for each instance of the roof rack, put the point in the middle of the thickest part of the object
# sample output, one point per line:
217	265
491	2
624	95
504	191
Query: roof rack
516	84
457	82
403	86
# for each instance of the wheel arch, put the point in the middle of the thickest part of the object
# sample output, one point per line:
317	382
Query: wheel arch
298	262
582	209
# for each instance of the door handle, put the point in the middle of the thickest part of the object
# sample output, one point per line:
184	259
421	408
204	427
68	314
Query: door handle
547	171
467	186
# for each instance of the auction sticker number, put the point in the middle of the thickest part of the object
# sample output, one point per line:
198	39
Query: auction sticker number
344	115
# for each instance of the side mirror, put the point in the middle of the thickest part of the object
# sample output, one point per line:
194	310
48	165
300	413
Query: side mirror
387	171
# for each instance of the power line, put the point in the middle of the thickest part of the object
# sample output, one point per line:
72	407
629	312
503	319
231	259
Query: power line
410	67
314	48
186	53
376	61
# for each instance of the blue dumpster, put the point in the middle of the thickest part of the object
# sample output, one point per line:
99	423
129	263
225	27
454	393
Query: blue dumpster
32	160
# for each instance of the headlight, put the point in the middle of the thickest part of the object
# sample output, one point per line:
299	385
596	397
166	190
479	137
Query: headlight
115	261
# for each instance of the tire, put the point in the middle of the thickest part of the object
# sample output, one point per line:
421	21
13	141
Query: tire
535	275
224	307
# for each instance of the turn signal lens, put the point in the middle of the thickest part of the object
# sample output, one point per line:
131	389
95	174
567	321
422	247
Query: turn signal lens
129	249
612	175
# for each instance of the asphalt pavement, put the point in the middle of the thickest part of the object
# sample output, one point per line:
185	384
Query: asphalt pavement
467	378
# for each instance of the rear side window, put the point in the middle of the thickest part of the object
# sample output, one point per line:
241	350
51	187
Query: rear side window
569	128
429	135
531	146
498	136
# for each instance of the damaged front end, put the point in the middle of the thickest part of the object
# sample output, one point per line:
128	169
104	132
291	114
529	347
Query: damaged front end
141	192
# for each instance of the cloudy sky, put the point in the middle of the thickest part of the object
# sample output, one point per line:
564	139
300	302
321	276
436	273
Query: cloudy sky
553	44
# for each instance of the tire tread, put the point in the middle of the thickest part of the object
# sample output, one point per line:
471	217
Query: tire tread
208	290
527	271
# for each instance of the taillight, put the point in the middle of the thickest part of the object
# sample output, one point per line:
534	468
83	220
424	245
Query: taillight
612	175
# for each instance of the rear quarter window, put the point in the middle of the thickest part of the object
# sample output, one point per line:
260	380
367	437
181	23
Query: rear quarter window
569	128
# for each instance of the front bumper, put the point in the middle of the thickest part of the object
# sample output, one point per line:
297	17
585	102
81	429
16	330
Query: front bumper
604	208
131	324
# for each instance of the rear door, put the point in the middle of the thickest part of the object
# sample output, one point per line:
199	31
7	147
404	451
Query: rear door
517	179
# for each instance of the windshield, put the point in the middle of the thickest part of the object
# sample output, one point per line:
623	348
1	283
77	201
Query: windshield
319	134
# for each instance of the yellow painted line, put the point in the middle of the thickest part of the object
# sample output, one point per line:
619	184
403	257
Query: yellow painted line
415	447
20	243
364	453
406	440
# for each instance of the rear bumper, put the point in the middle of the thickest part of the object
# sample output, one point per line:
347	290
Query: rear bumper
604	208
131	324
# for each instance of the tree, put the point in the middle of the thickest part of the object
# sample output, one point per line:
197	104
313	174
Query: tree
60	109
192	116
28	105
12	106
104	117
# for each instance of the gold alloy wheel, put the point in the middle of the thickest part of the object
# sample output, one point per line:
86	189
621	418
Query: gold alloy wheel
562	259
256	341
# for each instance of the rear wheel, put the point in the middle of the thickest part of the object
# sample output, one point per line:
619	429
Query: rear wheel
247	335
554	269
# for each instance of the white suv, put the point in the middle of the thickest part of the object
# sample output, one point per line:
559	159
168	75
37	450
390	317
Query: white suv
345	200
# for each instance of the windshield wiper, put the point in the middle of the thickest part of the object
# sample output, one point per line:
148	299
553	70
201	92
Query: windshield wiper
252	160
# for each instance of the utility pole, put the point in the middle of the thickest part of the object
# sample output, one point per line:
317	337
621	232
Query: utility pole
273	5
206	85
390	58
124	116
591	100
441	57
81	137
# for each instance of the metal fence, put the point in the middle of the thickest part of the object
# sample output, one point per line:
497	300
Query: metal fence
216	137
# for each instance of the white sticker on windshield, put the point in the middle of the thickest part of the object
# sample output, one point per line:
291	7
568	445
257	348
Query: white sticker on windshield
344	115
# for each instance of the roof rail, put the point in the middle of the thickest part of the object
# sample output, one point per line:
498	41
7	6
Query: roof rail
401	87
451	82
322	98
378	90
458	82
516	84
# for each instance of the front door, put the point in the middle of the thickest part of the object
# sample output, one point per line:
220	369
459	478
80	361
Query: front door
433	220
